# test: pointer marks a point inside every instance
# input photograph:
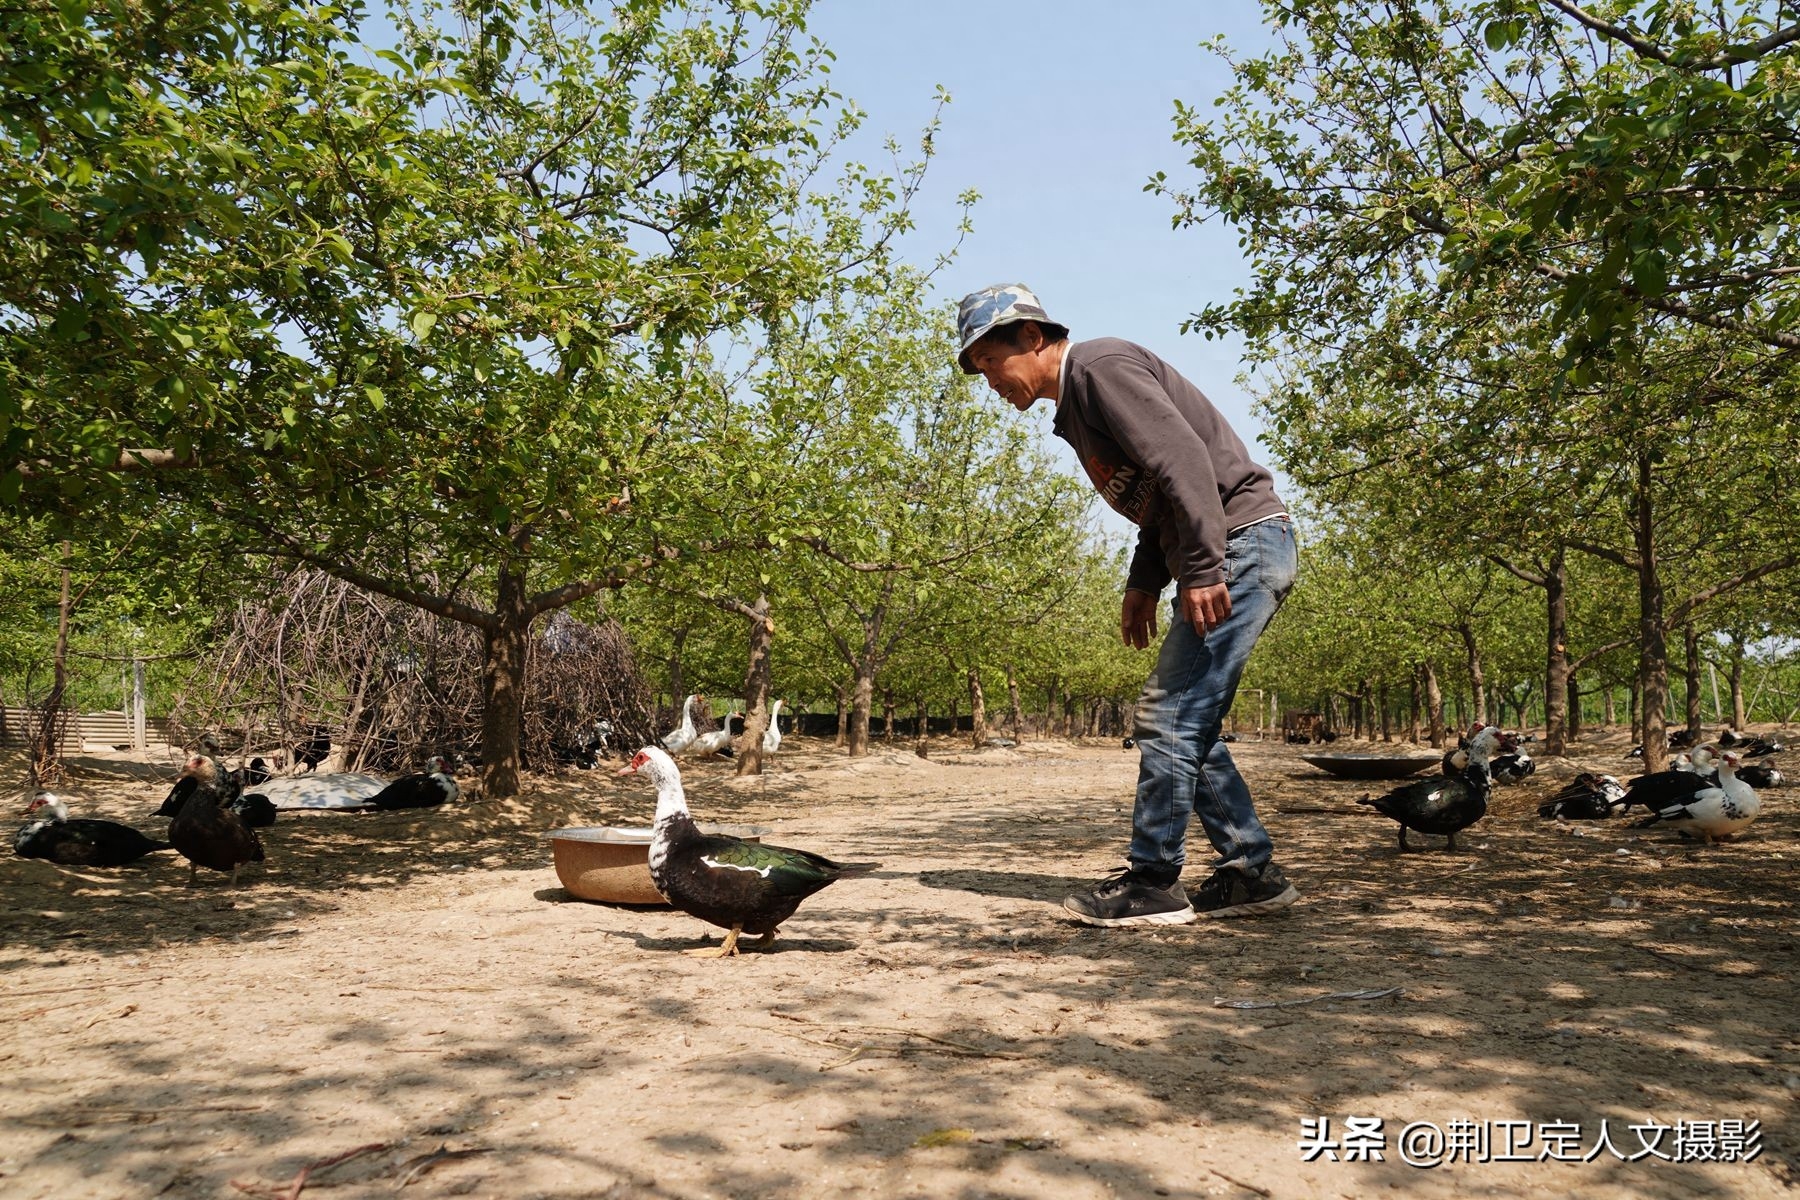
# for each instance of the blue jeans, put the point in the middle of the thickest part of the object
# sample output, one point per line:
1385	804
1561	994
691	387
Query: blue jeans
1184	767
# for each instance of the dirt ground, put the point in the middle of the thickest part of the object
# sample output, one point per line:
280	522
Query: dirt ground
419	981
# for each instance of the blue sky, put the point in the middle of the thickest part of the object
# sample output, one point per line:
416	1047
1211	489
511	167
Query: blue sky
1061	111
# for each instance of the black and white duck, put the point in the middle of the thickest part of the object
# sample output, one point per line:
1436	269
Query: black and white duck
1761	775
427	790
1714	811
228	784
254	809
81	842
206	831
1590	796
1690	773
1749	745
1447	804
742	887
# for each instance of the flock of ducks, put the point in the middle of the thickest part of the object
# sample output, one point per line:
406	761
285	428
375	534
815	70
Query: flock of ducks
1708	794
686	739
213	816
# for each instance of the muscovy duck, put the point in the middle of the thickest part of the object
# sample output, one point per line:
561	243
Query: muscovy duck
1761	775
717	742
83	842
1590	796
1131	744
185	784
254	809
742	887
1659	789
428	790
1711	812
315	749
206	832
254	773
1456	759
682	736
1446	804
1749	745
1511	768
1682	739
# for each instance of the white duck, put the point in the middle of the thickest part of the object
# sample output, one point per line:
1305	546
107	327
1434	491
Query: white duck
772	735
716	742
1714	812
683	736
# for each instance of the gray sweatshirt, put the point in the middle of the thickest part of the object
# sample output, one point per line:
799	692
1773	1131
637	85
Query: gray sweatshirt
1163	458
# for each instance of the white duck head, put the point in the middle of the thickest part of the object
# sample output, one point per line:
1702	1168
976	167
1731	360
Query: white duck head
52	805
654	762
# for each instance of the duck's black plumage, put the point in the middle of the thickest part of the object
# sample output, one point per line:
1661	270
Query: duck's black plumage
81	842
1761	775
740	886
315	749
254	809
1443	805
1590	796
726	881
227	783
428	790
206	831
1511	768
1662	789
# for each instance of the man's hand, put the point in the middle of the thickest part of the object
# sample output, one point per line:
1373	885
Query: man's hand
1205	607
1137	619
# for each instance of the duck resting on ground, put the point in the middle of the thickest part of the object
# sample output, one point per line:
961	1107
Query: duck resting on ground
1448	804
717	742
742	887
1749	745
206	831
1713	812
83	842
1590	796
428	790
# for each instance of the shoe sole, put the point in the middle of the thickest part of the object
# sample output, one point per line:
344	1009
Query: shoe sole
1179	916
1256	908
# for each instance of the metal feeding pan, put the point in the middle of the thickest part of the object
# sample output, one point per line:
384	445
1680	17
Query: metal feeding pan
1372	766
612	865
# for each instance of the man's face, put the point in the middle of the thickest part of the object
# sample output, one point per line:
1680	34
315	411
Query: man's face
1012	371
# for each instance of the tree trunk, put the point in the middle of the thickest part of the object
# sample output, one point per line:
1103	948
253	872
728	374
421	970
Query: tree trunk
1574	710
1412	709
1634	709
1556	657
1068	716
507	642
862	699
843	714
1477	683
977	709
922	716
756	690
1739	718
1018	713
1653	649
46	758
1690	640
1434	703
1049	709
887	713
1381	700
1609	712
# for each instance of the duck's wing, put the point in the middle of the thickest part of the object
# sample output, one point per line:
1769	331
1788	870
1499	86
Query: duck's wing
786	870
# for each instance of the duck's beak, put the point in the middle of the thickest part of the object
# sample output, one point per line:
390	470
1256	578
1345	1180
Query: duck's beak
627	769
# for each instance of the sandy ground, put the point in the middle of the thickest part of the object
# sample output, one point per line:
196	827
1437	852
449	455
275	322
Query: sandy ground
417	981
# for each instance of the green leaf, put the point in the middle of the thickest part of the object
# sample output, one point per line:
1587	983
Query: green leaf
422	323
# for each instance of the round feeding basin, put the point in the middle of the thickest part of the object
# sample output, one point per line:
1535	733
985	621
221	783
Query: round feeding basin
612	864
1372	766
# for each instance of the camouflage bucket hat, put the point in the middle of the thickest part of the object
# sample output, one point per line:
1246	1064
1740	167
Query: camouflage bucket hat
991	308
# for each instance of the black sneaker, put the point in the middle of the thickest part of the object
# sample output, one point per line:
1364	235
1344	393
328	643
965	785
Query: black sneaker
1124	898
1233	893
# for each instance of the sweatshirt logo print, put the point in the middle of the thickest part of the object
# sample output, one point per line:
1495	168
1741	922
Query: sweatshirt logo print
1122	487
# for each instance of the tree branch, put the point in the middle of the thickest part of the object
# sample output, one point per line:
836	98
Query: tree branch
1679	615
1618	557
